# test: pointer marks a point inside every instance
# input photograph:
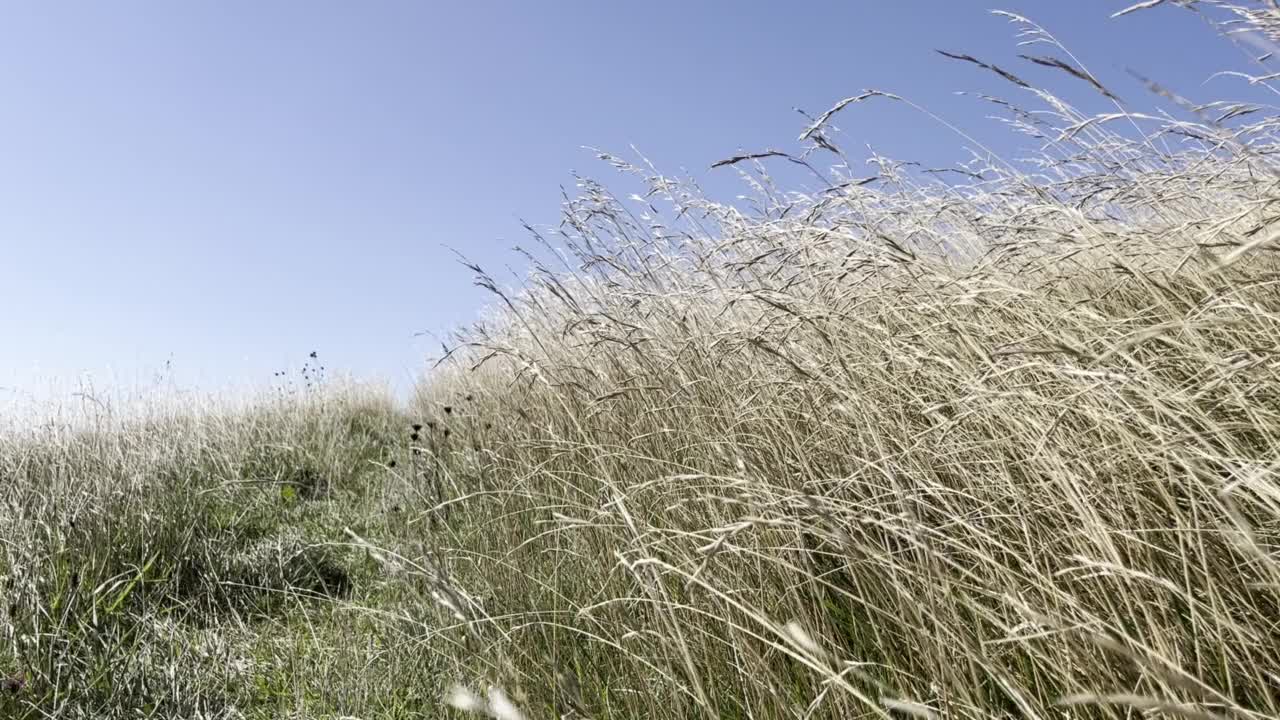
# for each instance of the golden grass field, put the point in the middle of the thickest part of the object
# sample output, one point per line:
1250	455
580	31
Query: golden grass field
1003	444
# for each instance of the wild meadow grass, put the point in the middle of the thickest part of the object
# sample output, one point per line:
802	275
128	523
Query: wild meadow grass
1004	445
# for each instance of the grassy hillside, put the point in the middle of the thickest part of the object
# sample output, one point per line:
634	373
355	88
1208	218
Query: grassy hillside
1004	445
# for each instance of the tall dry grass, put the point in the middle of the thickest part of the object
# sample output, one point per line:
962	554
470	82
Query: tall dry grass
1004	445
996	440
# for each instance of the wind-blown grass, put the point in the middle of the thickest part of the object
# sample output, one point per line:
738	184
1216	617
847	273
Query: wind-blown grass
996	441
1006	446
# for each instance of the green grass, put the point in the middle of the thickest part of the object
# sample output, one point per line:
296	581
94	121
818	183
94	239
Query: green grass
1001	448
147	566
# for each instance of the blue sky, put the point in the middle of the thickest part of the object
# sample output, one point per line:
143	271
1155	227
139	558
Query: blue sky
228	186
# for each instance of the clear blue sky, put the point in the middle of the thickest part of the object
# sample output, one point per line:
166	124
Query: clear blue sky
230	185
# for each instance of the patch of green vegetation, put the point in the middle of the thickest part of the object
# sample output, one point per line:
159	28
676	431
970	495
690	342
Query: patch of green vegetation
124	565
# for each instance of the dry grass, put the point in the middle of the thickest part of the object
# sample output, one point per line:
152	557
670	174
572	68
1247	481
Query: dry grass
1005	445
1002	447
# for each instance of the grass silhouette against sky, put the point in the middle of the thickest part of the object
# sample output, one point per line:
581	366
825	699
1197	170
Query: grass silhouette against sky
230	186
